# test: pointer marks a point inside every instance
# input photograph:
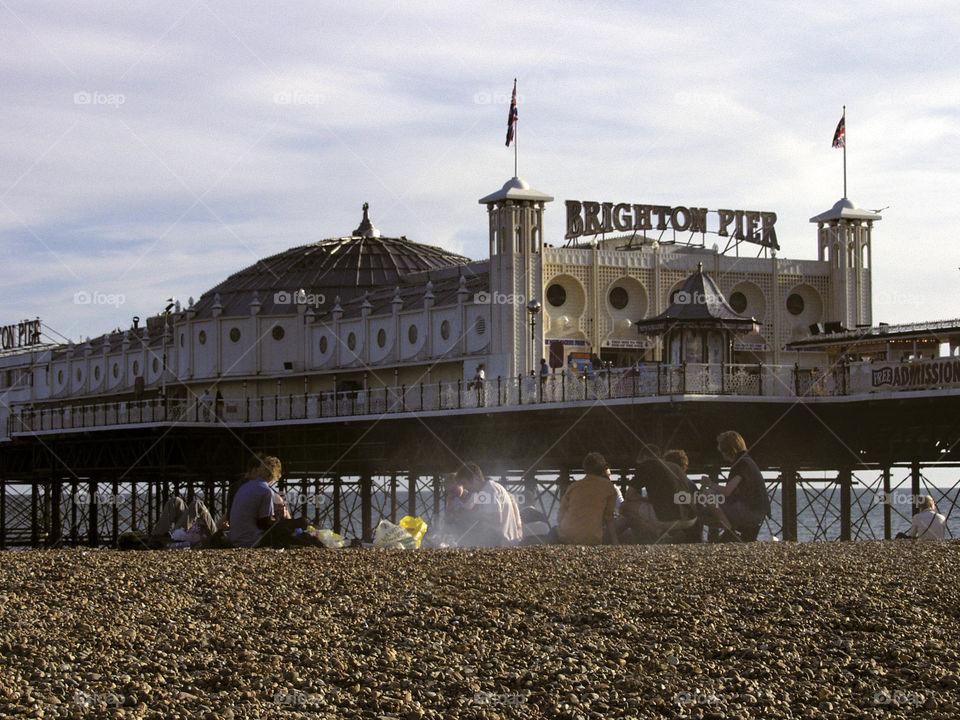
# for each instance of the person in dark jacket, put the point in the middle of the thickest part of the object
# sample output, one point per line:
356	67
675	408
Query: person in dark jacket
745	503
659	504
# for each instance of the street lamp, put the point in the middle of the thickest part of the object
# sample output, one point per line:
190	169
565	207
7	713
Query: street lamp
533	307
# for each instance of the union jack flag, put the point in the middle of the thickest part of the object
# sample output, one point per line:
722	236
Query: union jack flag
839	137
512	117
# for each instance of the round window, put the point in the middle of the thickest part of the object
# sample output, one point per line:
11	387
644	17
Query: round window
96	373
445	329
556	295
381	337
136	367
619	298
116	370
351	341
60	377
412	334
277	332
235	334
156	365
738	301
79	375
202	337
323	344
795	304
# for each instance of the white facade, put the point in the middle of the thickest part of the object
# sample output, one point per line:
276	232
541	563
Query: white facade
437	325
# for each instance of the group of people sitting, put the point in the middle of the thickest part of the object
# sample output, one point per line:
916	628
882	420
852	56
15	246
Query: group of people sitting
661	504
258	516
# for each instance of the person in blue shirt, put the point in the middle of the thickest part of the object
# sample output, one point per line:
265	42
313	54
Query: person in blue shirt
252	510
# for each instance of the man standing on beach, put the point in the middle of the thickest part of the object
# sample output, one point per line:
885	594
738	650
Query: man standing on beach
588	506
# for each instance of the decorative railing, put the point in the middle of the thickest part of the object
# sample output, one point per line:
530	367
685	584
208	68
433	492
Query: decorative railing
646	380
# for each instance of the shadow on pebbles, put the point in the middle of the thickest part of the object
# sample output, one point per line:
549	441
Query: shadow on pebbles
840	630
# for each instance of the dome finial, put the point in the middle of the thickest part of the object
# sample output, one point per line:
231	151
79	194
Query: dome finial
366	228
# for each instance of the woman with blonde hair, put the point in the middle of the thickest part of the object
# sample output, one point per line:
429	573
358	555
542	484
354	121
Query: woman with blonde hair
928	524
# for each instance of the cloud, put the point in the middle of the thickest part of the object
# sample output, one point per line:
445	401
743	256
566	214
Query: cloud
243	131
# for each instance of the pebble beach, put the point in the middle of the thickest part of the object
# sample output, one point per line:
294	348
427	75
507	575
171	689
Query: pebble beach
761	630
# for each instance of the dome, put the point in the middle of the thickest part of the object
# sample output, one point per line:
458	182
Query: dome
341	267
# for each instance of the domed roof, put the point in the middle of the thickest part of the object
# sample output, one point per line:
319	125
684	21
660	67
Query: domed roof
339	267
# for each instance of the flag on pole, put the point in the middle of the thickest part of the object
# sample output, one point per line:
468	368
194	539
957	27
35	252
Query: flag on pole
839	137
512	118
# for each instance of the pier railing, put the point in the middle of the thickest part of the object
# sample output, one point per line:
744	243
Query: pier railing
646	380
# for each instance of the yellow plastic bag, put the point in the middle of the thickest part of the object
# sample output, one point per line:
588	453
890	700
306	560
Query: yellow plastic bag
415	526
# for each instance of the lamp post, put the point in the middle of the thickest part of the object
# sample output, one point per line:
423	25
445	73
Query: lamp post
533	307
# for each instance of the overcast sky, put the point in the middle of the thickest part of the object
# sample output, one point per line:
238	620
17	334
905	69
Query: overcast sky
151	149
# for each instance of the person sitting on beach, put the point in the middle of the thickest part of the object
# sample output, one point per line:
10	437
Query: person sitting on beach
742	502
252	511
193	521
667	511
928	524
489	516
587	507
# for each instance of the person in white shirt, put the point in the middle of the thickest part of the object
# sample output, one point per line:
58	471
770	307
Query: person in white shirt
928	524
490	516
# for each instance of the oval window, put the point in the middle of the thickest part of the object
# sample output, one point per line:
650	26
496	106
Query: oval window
556	295
445	329
181	339
738	301
619	298
156	365
412	334
96	373
323	345
116	370
381	337
795	304
60	377
136	367
235	334
351	341
202	337
79	375
277	332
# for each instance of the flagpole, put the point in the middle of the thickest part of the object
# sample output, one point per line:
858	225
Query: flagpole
516	135
845	151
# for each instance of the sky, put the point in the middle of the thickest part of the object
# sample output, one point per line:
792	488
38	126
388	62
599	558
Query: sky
149	150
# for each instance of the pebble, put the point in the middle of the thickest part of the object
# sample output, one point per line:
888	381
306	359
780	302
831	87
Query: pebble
825	630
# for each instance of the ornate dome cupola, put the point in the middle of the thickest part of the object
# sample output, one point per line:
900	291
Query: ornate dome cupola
366	228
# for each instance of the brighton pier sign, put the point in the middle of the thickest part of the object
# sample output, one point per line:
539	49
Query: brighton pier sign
26	333
594	218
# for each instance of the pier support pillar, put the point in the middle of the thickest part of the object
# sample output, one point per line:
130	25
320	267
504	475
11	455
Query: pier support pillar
914	486
844	480
93	529
788	503
887	527
366	507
